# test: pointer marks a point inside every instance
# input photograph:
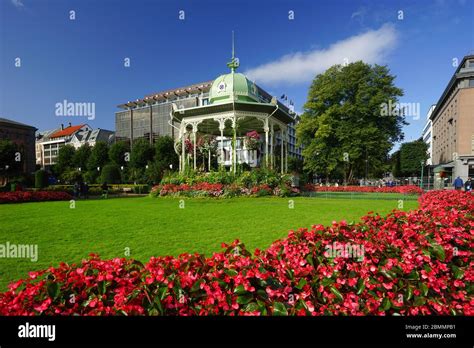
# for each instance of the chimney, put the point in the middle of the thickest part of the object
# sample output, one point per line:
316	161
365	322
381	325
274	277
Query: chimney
70	124
62	126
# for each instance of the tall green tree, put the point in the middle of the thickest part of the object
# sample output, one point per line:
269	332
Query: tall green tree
99	156
343	128
411	156
65	159
142	153
81	157
119	153
8	158
165	153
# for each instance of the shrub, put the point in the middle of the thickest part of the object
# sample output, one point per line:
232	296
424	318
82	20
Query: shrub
33	196
110	174
41	179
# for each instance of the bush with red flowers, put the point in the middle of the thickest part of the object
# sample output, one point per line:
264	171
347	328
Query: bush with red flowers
412	263
33	196
406	189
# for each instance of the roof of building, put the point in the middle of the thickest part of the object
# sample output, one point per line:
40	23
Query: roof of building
15	123
66	131
457	75
93	135
233	86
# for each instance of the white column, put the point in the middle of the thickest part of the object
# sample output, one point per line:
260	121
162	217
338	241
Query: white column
286	151
221	128
281	149
271	144
266	145
194	146
234	145
183	155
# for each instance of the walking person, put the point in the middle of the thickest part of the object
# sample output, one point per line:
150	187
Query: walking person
105	190
86	190
458	183
468	185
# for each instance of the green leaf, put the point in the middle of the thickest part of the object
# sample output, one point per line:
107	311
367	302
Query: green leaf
301	283
240	290
414	275
197	285
53	290
419	301
439	252
244	299
409	293
252	307
279	309
231	272
360	286
386	304
339	297
424	289
458	273
387	274
327	281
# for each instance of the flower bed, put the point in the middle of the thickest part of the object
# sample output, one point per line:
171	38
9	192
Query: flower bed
205	189
414	263
407	189
33	196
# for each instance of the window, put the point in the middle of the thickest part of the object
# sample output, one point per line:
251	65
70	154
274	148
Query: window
470	64
205	101
471	83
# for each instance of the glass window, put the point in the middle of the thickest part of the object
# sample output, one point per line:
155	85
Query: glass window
471	83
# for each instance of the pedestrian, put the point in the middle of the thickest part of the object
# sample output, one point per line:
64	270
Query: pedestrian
86	190
76	189
468	185
458	183
105	190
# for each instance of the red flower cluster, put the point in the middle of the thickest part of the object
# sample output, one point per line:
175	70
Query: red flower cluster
33	196
406	189
407	263
214	190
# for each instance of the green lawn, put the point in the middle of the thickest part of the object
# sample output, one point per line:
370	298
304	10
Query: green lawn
157	226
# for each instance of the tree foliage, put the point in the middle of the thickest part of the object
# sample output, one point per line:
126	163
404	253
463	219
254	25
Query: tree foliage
118	153
411	156
99	156
342	126
142	153
65	159
81	157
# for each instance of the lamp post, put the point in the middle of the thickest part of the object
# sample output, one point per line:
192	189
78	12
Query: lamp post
422	163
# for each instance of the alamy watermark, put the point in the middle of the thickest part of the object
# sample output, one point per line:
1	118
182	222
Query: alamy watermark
83	109
345	250
400	109
20	251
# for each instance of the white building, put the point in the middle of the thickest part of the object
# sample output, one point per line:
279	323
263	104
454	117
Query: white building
49	142
428	135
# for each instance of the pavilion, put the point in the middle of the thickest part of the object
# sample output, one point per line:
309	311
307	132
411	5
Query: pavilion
235	107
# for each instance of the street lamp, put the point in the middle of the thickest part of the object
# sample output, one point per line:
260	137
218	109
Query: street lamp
422	163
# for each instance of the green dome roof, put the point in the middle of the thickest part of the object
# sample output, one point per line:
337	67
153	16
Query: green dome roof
233	86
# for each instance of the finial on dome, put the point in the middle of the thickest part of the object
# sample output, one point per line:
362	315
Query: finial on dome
234	62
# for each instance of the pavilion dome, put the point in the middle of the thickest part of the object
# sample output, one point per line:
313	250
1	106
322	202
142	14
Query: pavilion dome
233	87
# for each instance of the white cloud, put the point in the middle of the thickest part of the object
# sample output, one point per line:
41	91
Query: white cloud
370	47
18	3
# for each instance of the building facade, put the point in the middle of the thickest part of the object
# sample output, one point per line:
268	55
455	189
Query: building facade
24	137
49	142
453	127
428	135
149	117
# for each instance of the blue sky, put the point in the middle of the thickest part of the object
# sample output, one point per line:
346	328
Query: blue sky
82	60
